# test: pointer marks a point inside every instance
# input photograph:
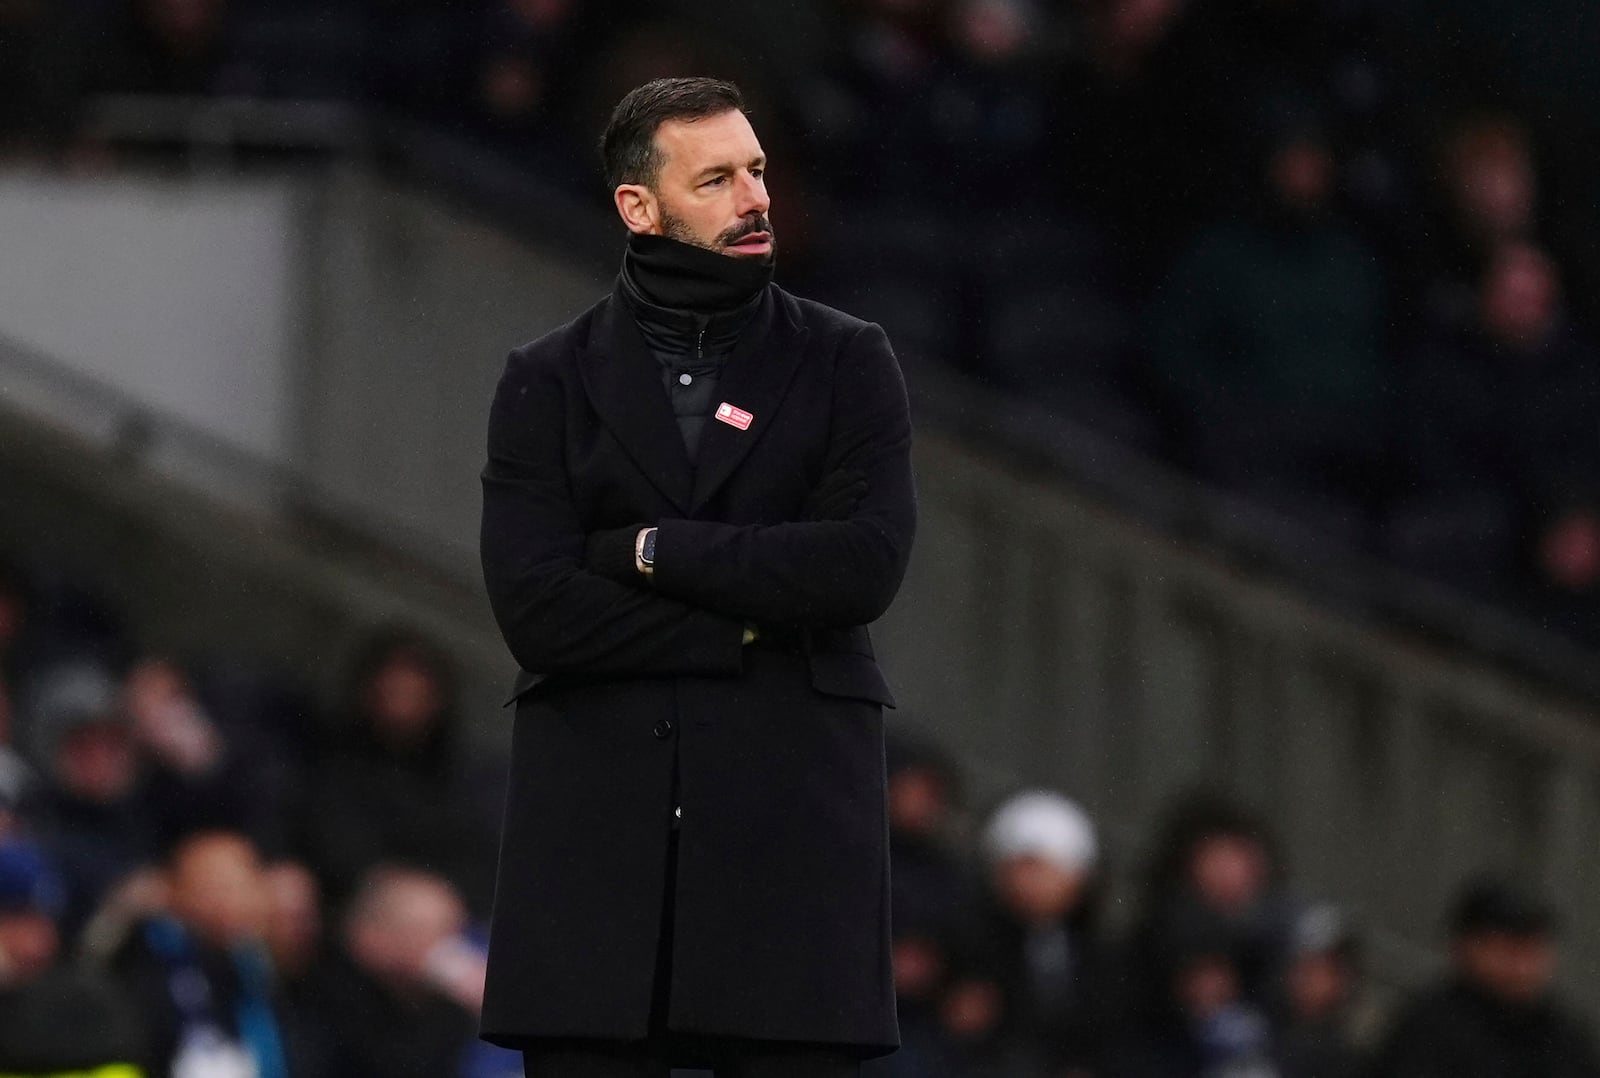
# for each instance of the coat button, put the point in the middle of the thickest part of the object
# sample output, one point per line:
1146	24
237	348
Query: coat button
663	728
685	379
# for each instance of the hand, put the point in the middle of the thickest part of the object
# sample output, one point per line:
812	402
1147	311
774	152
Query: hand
837	496
456	968
610	553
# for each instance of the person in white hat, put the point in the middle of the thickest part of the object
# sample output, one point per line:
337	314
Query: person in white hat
1033	941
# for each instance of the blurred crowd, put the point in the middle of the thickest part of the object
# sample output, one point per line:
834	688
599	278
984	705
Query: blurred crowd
1326	254
1006	963
1336	256
206	874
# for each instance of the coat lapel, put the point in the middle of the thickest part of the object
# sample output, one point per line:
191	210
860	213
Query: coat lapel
624	384
754	379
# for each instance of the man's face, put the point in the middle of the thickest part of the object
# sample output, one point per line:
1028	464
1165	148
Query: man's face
1037	890
1519	299
28	945
1516	968
710	190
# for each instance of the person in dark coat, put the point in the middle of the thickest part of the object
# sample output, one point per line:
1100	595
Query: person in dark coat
1202	1026
384	1004
1267	342
698	494
1321	1033
55	1018
1496	1014
1216	878
195	776
89	817
398	783
1502	452
931	895
1033	932
199	970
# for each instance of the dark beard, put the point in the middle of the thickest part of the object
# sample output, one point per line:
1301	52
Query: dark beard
673	228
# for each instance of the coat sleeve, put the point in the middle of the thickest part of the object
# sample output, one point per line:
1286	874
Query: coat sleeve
555	616
815	574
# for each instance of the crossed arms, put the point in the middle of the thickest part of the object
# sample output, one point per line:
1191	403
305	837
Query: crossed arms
559	615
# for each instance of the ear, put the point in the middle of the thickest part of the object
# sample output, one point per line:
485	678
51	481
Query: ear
639	208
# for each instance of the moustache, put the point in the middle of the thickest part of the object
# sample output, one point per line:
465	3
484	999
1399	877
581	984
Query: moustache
752	225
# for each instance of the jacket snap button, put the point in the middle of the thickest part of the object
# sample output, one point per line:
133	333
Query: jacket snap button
663	728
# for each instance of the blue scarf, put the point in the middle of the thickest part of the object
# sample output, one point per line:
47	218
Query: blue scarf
190	991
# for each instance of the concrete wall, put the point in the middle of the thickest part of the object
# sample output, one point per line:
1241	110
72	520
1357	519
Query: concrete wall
414	310
179	293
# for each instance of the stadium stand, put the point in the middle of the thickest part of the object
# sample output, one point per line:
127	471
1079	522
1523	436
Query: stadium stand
1250	342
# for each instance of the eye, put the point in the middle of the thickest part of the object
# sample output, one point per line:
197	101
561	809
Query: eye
716	181
758	172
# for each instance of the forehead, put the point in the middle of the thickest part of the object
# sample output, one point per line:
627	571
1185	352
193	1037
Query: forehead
692	145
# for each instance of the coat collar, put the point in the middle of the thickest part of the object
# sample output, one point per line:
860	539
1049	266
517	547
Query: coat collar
623	380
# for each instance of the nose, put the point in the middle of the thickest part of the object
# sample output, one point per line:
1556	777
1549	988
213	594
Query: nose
752	195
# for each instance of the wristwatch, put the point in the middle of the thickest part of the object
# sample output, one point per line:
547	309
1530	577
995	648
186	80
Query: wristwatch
645	552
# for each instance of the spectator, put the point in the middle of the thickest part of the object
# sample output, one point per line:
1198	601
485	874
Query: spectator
399	998
1331	55
88	816
1488	197
1216	878
1319	1039
888	52
398	783
984	113
1203	1025
293	928
1496	1015
1133	147
193	778
1269	339
1034	932
53	1019
972	1024
200	971
530	52
1501	446
930	892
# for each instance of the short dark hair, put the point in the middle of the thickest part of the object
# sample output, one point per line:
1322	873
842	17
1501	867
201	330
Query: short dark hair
629	144
1497	905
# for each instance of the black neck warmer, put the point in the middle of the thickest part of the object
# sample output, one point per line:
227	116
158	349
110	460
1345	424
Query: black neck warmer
688	300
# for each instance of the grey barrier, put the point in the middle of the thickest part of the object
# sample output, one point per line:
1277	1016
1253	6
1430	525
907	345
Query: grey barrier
1051	641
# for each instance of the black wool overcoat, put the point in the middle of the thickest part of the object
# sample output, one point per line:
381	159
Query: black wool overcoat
781	895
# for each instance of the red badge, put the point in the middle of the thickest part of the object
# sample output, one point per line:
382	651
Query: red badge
734	417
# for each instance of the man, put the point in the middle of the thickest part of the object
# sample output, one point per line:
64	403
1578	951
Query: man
396	998
56	1019
697	496
1495	1016
199	971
